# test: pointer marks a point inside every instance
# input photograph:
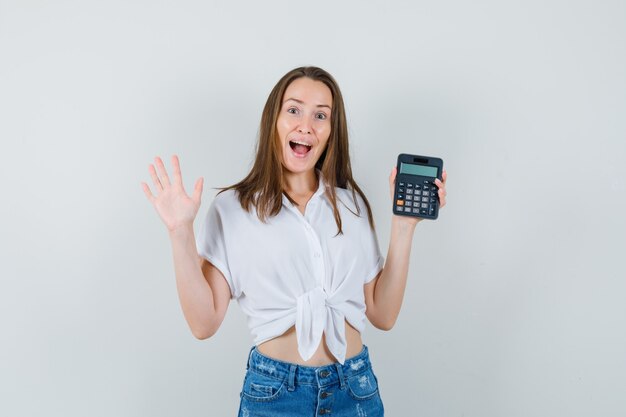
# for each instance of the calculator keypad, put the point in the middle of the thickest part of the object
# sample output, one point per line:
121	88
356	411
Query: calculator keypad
416	198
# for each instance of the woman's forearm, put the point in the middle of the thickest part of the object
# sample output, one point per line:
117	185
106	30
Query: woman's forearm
391	284
194	292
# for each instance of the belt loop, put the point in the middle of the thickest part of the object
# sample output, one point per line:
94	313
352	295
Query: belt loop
249	355
340	372
292	377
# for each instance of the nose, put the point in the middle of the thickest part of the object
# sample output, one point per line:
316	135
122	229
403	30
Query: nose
305	126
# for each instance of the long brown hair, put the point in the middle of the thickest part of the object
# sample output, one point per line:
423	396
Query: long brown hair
264	186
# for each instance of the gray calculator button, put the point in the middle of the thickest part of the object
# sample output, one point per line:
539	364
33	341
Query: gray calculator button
424	205
409	197
426	193
409	185
409	191
416	204
407	209
418	192
425	199
416	211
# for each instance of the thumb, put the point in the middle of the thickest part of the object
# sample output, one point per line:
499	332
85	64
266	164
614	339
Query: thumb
392	180
197	190
392	176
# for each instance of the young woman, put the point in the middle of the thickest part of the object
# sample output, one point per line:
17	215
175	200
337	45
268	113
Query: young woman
294	243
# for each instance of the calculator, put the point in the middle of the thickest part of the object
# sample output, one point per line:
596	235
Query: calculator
416	193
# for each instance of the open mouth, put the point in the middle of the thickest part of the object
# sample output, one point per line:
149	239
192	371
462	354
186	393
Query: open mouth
299	148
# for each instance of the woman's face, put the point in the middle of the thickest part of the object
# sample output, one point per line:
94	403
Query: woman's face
304	124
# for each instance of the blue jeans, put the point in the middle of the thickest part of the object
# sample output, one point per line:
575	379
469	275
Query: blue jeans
275	388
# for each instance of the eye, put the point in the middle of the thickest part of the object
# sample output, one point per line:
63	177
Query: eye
321	116
289	110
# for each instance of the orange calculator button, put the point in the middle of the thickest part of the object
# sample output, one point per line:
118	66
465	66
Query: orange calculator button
399	202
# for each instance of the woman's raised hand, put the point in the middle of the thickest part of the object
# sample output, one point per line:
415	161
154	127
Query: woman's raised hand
172	203
442	193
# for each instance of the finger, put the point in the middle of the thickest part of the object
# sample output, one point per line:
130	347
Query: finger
442	192
178	177
392	176
147	191
197	190
165	180
392	180
442	197
444	176
155	178
441	185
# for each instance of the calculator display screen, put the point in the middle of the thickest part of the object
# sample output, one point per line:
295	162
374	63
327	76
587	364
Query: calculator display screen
422	170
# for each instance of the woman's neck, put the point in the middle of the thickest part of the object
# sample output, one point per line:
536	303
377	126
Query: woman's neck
302	183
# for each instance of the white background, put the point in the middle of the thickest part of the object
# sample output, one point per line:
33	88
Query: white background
515	299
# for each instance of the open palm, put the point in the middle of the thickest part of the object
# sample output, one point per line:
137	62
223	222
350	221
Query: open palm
171	202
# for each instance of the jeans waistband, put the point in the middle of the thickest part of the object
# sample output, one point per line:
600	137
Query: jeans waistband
308	375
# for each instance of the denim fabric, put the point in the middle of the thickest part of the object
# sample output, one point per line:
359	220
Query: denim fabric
273	388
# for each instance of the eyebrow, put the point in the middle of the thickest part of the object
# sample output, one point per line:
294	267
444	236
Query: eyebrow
302	102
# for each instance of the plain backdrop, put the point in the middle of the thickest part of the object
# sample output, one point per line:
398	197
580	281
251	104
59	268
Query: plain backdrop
514	305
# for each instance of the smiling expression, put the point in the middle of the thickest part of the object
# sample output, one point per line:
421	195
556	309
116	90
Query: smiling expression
304	124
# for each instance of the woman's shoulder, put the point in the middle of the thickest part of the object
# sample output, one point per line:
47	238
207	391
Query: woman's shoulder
226	199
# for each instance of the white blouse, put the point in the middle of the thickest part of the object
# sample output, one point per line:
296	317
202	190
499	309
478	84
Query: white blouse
293	269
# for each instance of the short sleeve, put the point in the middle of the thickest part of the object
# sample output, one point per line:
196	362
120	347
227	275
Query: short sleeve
375	257
211	245
374	260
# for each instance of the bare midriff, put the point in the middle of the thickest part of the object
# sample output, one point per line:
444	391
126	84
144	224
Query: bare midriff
285	348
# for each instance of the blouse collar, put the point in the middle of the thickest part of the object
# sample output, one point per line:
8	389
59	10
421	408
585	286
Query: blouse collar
322	184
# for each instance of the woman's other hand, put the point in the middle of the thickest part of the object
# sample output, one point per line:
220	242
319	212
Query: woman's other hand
442	195
172	203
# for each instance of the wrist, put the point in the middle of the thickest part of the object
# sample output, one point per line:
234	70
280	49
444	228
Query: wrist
181	230
404	224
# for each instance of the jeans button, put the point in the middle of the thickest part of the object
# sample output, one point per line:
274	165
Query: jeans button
324	374
326	394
